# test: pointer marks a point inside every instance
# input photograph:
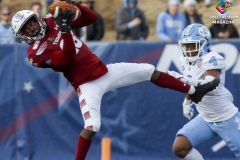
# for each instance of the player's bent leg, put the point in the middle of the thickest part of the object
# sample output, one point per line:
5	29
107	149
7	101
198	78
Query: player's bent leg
125	74
229	131
188	137
165	80
90	95
183	149
193	155
92	125
87	134
181	146
132	73
84	144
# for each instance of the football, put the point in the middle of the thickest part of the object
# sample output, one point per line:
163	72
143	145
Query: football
53	9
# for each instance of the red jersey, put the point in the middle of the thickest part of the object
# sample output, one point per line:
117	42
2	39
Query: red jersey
66	53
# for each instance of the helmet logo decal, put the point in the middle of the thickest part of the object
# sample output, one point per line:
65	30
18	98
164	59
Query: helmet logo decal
18	17
203	32
188	29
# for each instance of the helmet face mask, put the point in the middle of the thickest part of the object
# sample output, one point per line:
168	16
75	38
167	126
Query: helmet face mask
20	19
193	53
195	34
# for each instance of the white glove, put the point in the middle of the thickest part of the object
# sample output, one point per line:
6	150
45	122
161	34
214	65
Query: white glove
188	111
175	74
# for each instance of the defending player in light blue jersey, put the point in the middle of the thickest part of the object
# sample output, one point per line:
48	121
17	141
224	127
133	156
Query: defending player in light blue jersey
217	114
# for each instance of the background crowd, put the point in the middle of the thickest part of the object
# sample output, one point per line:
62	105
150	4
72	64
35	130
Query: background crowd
131	22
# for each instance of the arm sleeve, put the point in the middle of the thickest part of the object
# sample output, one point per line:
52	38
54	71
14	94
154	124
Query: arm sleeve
86	18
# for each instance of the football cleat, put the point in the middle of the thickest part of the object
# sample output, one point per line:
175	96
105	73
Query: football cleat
203	89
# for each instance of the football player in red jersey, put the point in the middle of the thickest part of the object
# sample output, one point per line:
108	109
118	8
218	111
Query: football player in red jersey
53	45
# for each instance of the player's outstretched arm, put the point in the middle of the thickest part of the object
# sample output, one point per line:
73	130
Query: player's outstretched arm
68	54
87	17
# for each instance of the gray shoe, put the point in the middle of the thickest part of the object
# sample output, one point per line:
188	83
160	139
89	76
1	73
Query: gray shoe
201	90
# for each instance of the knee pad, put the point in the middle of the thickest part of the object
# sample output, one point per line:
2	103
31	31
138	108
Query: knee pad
93	124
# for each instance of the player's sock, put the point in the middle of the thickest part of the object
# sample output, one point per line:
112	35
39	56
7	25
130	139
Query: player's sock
193	155
167	81
82	148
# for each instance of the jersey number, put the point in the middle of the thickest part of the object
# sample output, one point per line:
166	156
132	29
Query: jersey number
77	43
213	60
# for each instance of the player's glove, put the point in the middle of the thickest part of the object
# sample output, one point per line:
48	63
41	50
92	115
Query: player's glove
64	20
70	1
175	74
188	111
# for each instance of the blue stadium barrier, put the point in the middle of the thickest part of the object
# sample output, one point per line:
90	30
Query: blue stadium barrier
40	117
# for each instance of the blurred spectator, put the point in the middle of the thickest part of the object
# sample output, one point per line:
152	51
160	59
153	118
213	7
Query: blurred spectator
192	16
45	5
93	32
223	30
6	34
131	23
208	3
36	7
171	23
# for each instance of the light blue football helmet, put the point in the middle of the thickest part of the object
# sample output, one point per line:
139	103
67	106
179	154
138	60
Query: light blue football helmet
198	34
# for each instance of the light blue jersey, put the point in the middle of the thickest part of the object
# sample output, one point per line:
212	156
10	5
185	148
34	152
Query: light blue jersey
216	105
170	26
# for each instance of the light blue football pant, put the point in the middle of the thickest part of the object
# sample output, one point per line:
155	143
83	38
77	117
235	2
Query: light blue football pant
199	131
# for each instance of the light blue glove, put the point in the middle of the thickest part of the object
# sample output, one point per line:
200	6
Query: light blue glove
175	74
188	111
